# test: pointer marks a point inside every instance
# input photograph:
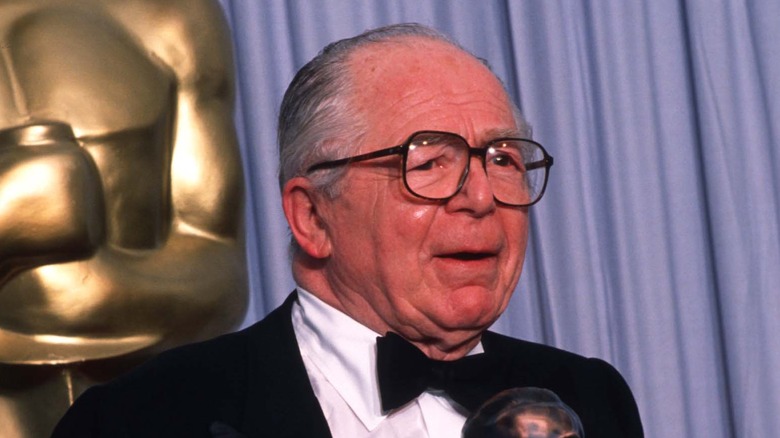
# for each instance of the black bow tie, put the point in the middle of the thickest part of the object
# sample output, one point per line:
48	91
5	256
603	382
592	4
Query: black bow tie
404	372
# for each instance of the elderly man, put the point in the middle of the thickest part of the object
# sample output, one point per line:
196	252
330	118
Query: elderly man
406	178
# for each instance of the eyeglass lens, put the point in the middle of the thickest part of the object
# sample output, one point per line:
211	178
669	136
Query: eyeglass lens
436	163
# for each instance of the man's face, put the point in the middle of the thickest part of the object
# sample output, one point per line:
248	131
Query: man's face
436	272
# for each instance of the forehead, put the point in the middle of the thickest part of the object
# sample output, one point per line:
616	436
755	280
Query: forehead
421	84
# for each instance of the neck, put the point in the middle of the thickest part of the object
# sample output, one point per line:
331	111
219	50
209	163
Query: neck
433	341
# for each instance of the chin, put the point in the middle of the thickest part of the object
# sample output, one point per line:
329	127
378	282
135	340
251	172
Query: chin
472	311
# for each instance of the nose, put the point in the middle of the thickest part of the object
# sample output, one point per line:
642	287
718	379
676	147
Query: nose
476	195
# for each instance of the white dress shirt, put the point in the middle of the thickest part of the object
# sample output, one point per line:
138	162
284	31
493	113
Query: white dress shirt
340	357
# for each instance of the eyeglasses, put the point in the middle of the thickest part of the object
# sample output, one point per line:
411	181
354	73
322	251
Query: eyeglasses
436	165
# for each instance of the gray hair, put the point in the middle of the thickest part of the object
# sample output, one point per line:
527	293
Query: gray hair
316	119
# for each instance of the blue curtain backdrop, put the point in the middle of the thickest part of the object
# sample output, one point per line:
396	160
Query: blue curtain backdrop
657	245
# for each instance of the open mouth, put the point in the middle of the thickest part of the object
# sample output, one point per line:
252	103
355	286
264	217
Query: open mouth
468	256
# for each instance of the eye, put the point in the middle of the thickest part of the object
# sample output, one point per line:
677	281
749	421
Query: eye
432	157
501	158
427	165
502	161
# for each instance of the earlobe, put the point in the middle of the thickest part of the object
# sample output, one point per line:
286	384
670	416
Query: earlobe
299	202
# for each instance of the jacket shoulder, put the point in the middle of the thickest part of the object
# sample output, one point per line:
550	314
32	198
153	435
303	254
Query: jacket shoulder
590	386
183	390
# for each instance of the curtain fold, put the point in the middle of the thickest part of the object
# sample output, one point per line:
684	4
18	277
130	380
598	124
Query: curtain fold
657	245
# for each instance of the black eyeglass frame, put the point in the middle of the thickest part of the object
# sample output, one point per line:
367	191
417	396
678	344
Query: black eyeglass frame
403	150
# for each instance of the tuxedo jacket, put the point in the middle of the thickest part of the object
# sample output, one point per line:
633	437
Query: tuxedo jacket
253	383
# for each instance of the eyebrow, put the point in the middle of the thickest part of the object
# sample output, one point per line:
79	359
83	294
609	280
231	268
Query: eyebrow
503	132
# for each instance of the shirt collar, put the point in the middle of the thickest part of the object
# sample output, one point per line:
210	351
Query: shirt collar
345	352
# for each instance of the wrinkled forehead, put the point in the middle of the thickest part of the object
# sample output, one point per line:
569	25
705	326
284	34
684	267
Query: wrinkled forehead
404	84
417	63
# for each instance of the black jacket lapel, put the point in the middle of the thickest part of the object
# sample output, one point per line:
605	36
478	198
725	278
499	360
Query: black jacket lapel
280	400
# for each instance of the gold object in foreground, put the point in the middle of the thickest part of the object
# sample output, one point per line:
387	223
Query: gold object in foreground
120	193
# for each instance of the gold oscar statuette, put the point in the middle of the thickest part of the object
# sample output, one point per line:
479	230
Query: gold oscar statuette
121	194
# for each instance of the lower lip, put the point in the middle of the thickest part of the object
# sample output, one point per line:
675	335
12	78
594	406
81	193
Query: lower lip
480	263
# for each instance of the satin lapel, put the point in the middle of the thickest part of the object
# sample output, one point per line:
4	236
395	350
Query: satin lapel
280	401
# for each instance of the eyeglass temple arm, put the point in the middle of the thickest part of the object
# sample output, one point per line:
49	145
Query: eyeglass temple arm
368	156
546	162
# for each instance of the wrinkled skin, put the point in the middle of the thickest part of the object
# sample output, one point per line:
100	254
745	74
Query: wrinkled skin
438	273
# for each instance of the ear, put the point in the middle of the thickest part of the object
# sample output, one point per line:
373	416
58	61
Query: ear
299	201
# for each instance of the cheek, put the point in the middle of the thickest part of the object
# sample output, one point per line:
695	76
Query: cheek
381	231
402	254
405	220
402	240
516	229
